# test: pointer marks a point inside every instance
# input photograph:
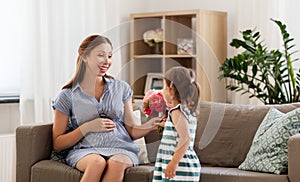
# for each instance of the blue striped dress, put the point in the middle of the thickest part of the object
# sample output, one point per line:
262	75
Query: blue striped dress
189	166
81	107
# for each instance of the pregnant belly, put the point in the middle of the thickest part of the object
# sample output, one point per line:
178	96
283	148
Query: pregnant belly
116	138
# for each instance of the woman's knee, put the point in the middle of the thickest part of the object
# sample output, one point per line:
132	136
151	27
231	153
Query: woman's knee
91	161
120	162
97	161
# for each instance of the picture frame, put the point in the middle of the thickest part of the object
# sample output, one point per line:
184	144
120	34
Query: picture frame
184	46
153	81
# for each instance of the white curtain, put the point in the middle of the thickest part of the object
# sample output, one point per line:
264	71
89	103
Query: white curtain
257	14
52	33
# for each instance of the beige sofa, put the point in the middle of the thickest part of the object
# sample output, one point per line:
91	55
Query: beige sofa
224	136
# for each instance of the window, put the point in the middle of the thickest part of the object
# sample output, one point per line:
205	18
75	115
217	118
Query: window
9	47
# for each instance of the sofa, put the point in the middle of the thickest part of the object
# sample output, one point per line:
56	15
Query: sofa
223	138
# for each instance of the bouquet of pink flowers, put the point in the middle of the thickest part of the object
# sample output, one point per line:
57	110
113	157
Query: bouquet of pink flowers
154	105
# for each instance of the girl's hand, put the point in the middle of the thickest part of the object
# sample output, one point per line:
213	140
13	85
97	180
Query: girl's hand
98	125
171	170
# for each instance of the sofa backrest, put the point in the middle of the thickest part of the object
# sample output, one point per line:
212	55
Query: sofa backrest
225	131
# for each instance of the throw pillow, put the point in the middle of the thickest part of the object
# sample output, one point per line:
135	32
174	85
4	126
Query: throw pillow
142	155
269	149
59	156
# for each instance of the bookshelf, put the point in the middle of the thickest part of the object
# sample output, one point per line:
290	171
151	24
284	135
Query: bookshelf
203	31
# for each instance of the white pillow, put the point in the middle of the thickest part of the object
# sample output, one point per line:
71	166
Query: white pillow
143	155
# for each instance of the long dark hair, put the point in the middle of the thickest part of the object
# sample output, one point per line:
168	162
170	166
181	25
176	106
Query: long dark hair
87	45
186	90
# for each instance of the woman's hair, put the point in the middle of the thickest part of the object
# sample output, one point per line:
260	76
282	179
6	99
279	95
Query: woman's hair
186	90
87	45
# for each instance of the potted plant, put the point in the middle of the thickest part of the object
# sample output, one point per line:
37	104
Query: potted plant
268	75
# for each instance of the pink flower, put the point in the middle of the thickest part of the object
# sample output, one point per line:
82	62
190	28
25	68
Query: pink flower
157	103
154	103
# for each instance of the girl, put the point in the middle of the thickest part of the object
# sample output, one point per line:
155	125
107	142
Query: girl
176	159
98	110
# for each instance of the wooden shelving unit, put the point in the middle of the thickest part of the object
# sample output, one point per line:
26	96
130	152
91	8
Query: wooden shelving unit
206	29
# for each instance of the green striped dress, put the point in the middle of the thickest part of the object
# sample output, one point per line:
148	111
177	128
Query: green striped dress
189	166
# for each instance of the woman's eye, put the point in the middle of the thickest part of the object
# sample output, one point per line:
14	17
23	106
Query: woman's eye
109	56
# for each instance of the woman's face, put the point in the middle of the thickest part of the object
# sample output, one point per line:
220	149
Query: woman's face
99	60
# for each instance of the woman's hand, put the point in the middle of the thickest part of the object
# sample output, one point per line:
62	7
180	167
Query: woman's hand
153	123
98	125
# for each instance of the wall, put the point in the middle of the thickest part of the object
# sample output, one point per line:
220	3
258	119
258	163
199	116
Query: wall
10	117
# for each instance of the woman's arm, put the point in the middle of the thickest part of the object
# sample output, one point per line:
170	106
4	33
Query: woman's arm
62	140
134	130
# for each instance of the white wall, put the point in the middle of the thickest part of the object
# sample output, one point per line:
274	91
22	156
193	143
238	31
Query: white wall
291	14
9	117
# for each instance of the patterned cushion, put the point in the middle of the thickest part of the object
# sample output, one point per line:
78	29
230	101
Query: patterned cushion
59	156
268	152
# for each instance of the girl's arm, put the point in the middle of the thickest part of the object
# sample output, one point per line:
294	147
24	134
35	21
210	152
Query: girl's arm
134	130
182	128
63	140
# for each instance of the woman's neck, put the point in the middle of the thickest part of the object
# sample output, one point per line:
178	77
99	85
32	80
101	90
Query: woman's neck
89	83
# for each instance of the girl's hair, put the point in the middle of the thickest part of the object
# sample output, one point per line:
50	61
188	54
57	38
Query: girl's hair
87	45
186	90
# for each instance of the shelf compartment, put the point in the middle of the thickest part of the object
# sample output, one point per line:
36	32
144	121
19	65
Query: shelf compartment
186	62
179	27
138	76
140	26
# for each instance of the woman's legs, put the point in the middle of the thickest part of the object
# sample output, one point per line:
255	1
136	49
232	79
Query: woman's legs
115	168
93	166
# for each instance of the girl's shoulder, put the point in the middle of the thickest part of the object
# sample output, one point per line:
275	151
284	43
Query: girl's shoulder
182	109
176	111
175	108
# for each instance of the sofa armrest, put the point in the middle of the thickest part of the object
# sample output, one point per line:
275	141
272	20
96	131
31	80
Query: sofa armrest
294	158
33	143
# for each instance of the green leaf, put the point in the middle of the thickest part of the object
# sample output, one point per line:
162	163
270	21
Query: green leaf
268	75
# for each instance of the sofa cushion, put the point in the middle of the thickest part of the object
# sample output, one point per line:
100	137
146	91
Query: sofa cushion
50	170
225	131
142	155
225	174
139	173
269	150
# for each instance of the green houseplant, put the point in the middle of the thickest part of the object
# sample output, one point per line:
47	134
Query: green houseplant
268	75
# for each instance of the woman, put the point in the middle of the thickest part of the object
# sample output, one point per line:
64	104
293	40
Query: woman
98	110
